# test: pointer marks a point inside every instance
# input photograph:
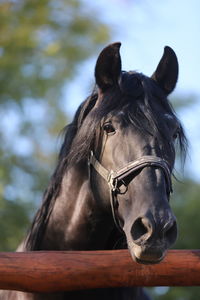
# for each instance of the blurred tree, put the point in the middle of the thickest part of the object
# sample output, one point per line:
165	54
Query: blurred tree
41	45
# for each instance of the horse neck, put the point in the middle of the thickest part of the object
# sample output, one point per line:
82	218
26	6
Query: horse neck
76	221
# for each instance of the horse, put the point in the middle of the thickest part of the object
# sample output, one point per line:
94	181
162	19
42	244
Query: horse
112	184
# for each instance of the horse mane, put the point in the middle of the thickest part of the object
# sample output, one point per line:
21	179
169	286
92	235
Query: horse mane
133	100
42	216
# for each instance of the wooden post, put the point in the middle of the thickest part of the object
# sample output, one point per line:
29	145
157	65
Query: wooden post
74	270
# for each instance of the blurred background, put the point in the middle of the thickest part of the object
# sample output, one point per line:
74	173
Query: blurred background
47	55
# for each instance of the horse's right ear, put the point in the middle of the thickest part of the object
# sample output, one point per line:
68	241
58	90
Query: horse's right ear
108	67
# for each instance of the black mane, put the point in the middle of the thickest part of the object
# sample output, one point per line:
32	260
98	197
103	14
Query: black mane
134	96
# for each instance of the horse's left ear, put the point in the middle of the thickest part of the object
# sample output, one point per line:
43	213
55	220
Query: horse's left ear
166	74
108	67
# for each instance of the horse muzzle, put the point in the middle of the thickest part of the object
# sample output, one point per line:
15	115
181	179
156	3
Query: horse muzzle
146	254
148	242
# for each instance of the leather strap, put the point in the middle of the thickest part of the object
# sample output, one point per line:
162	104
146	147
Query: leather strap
115	178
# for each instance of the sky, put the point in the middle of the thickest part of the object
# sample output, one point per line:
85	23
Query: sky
144	27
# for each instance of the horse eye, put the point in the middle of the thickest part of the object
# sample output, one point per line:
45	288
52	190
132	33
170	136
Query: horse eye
108	128
175	135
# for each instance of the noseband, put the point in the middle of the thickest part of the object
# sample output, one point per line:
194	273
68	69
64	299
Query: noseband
116	179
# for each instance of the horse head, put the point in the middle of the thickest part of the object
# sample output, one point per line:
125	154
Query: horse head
134	151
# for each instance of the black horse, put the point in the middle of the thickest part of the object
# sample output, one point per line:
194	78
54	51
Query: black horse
112	184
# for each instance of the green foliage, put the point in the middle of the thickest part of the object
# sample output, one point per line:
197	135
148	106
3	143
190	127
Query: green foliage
186	205
42	43
175	293
14	219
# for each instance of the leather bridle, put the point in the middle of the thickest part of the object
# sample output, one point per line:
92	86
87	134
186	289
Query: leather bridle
116	179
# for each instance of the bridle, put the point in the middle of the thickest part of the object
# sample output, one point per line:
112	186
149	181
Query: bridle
116	179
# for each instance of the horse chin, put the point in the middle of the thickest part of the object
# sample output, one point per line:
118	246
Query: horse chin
146	256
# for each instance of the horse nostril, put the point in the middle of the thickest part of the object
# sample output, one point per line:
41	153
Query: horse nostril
170	232
144	228
140	227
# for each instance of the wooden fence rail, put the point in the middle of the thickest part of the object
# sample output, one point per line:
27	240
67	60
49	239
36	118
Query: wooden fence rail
74	270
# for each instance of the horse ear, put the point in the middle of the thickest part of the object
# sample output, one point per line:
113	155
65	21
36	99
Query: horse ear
108	67
166	74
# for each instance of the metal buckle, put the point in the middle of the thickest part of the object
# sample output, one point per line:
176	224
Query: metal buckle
112	182
120	191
